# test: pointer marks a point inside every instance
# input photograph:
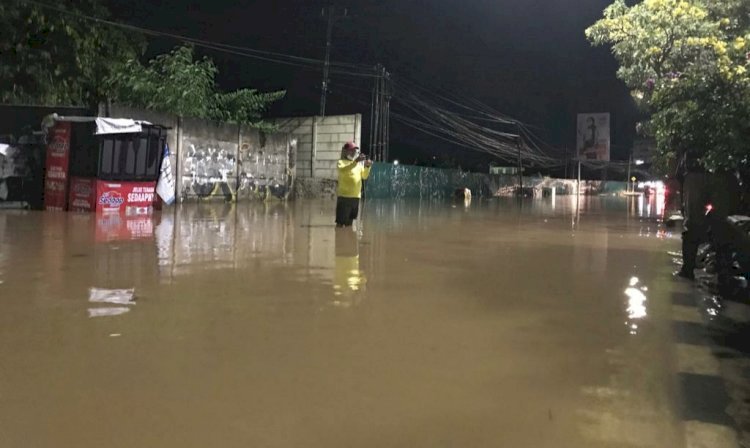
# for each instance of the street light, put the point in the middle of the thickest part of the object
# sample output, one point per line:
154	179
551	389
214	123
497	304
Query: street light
639	162
395	162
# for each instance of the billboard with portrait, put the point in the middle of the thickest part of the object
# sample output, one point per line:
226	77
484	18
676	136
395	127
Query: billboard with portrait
593	137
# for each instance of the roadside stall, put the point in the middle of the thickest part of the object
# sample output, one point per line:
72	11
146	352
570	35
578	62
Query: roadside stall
103	165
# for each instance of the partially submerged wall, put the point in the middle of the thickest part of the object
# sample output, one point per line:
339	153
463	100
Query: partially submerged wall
227	160
221	160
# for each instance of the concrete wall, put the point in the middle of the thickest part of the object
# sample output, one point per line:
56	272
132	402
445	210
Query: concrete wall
221	160
209	159
319	141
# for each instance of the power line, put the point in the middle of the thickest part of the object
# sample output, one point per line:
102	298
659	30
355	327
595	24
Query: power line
441	124
268	56
473	135
330	13
458	126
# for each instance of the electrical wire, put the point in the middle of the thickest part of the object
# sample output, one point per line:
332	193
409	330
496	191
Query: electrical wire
458	128
268	56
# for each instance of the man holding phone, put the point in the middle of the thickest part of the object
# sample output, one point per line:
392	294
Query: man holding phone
353	167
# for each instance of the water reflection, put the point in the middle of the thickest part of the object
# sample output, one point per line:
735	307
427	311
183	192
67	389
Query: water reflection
349	279
227	236
263	302
636	304
195	238
119	227
107	312
652	205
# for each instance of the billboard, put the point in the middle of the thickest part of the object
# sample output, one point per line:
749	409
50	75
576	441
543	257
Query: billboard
593	137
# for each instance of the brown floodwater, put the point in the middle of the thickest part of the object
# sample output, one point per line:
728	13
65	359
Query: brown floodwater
499	324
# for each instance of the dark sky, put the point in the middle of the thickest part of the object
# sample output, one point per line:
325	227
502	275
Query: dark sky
526	58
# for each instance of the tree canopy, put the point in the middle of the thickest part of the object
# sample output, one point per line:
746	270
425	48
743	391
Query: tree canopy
58	57
53	58
178	83
686	62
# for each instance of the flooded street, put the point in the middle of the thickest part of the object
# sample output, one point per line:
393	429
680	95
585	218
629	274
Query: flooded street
433	325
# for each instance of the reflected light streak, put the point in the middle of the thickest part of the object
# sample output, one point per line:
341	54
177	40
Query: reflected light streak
636	303
660	203
640	205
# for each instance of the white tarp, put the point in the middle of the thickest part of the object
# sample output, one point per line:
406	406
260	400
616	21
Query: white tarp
106	126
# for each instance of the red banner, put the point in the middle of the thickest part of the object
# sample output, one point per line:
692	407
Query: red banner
131	198
58	157
82	194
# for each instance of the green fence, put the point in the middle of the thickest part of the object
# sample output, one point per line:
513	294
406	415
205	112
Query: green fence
407	181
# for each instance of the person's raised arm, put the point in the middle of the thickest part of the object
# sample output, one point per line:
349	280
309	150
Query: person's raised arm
366	171
347	165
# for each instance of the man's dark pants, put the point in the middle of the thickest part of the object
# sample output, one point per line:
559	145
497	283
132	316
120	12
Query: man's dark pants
347	210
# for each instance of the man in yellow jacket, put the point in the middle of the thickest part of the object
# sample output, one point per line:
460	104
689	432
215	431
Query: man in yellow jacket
353	167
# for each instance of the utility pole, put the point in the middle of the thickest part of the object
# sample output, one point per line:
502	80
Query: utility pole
330	14
385	112
373	110
376	107
520	166
630	161
387	118
380	109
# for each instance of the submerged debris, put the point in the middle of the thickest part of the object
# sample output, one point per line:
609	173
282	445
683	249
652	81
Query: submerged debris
116	296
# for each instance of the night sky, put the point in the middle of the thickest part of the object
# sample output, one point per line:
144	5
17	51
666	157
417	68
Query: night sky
525	58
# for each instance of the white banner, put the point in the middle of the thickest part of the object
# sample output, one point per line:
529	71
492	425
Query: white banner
166	186
593	137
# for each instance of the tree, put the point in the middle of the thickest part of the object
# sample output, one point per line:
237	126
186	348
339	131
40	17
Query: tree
53	58
686	62
178	83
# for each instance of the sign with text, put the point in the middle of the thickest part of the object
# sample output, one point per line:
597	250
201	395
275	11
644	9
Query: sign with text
82	194
56	167
130	197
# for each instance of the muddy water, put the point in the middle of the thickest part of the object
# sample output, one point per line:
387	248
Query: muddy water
542	324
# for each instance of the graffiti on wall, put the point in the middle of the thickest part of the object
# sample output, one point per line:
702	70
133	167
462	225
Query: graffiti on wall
265	170
260	170
207	171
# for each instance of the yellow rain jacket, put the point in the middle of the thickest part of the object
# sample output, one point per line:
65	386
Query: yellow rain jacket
351	175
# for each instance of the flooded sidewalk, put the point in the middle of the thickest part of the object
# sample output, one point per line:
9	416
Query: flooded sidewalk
546	323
